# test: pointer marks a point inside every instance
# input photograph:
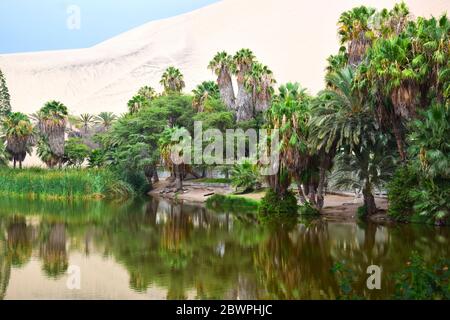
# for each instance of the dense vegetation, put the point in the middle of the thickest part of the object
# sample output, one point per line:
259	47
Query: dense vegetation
381	123
38	183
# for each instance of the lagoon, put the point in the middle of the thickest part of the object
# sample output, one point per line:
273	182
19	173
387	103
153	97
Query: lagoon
156	249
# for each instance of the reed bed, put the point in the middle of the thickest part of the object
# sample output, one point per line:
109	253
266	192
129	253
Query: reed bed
37	183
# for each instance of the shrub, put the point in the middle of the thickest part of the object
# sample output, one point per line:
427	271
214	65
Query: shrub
275	207
401	202
308	210
230	203
422	282
245	177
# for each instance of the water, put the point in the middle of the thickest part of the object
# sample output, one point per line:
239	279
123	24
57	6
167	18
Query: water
158	250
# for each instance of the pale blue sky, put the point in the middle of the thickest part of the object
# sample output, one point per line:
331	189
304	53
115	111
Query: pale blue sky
35	25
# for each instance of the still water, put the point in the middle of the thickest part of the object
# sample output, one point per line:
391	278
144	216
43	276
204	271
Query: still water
155	249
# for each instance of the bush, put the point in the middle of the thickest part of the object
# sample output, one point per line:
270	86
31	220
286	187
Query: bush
421	282
274	207
245	177
229	203
401	202
75	152
308	210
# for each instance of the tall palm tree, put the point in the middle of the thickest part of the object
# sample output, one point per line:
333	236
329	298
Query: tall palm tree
147	92
204	91
166	145
289	113
342	119
392	82
86	121
136	103
355	32
52	125
172	80
106	119
18	130
243	62
259	80
222	65
45	153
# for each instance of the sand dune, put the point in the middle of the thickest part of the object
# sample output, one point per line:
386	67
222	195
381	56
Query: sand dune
293	37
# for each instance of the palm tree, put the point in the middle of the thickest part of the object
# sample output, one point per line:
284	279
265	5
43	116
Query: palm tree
222	66
243	62
355	32
52	125
106	119
204	91
136	103
259	80
147	92
390	79
342	119
166	145
289	113
172	81
45	153
86	121
18	130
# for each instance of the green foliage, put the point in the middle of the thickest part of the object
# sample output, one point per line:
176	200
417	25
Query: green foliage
346	279
45	153
212	180
308	210
422	282
96	159
421	191
229	203
205	91
399	193
361	212
75	152
245	177
132	143
275	207
172	80
37	183
54	111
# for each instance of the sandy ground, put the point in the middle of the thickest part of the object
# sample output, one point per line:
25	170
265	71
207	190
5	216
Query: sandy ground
336	207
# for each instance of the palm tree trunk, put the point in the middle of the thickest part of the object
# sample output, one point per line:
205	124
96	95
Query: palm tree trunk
244	110
369	200
399	139
301	193
320	189
226	89
20	165
178	178
14	162
155	176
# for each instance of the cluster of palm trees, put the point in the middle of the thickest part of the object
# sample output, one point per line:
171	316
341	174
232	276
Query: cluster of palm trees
47	130
254	82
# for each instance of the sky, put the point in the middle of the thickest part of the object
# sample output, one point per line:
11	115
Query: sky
39	25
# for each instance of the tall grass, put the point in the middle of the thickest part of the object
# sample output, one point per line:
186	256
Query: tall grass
37	183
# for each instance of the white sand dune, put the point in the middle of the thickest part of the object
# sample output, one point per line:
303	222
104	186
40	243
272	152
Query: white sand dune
293	37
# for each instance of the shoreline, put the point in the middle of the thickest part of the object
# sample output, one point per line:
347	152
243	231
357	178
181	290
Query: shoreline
337	206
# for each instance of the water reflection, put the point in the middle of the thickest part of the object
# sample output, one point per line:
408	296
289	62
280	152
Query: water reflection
154	249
